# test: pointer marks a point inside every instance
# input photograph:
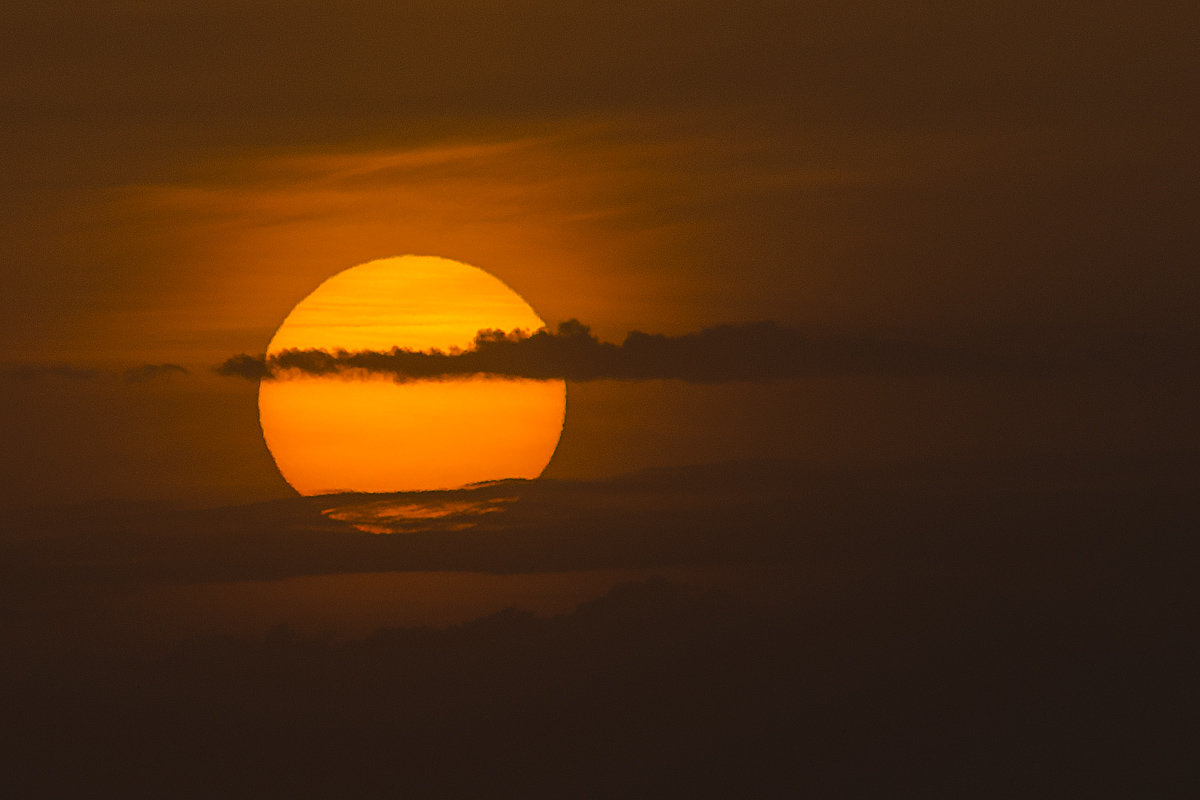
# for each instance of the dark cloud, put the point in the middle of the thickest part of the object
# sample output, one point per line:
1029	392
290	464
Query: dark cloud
715	514
935	609
884	687
757	351
148	372
244	366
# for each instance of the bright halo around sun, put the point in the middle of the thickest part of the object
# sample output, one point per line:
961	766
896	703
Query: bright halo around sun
373	434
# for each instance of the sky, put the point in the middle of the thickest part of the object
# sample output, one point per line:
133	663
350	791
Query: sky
904	259
998	177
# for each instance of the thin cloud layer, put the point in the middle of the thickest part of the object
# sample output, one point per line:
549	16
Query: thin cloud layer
147	372
138	374
759	351
26	372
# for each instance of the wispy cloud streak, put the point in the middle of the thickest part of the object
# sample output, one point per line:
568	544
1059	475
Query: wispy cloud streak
39	371
137	374
149	372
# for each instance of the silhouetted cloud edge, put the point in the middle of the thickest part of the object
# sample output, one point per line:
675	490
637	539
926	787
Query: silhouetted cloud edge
756	351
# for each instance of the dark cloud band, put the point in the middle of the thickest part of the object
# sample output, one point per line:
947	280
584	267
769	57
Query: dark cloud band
747	352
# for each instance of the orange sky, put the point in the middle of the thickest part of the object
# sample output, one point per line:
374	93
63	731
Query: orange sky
1004	178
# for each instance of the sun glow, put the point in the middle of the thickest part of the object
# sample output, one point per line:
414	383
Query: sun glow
372	434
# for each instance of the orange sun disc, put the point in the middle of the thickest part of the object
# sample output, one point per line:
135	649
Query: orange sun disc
374	434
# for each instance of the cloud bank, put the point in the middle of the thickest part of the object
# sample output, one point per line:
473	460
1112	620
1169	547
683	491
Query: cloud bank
759	351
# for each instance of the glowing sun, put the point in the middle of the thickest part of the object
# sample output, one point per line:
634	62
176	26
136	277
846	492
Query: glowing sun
373	434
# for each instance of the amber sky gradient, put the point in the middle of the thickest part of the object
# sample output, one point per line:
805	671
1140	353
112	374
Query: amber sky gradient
999	175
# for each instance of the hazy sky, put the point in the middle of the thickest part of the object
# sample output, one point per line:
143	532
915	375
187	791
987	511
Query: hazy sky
995	176
918	520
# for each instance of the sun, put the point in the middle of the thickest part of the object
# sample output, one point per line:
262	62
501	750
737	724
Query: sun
373	434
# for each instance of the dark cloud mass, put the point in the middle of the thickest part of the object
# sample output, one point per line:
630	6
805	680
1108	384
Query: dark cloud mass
947	631
746	352
244	366
758	351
